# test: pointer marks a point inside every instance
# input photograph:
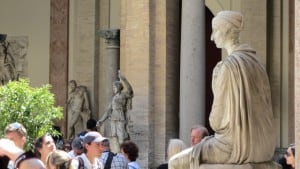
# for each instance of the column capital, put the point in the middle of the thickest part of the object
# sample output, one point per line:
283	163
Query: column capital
112	36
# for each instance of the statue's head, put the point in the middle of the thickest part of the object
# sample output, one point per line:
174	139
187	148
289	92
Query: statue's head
117	86
72	84
227	25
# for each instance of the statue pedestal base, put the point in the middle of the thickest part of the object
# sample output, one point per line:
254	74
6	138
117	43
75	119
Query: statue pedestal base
265	165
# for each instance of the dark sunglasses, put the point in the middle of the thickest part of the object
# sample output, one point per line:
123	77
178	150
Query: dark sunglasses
16	125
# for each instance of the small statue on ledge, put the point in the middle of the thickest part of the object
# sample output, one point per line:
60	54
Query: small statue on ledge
117	111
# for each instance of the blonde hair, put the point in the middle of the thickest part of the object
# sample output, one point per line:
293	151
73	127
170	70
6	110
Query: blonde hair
16	127
175	146
60	159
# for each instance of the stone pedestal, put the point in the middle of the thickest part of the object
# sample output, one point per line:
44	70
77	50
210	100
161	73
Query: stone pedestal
266	165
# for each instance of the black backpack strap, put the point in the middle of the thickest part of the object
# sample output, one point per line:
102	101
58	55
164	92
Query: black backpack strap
81	163
109	160
23	157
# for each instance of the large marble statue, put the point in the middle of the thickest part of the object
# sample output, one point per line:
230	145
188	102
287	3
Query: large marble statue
241	114
7	64
78	109
117	111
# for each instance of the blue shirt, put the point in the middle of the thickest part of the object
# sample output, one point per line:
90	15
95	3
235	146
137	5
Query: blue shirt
118	161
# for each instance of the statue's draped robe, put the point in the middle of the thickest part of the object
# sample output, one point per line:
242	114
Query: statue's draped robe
241	114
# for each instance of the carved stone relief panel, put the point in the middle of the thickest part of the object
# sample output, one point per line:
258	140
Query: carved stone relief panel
18	48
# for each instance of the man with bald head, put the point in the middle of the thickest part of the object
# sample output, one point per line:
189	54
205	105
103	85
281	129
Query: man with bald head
197	133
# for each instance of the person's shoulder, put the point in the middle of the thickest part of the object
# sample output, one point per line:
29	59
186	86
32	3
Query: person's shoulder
82	159
32	163
81	156
82	88
163	166
119	161
133	165
120	157
104	156
71	154
75	163
81	134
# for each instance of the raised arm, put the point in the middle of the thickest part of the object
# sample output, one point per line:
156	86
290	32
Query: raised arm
126	84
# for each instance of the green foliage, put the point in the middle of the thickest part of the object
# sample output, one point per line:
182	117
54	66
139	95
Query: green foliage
32	107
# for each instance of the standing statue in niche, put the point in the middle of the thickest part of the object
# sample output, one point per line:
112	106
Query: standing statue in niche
241	114
117	111
78	109
7	64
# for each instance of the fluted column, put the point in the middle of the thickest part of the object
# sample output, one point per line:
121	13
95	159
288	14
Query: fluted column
192	67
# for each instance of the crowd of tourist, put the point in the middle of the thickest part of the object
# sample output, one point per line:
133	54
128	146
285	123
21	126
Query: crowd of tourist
89	150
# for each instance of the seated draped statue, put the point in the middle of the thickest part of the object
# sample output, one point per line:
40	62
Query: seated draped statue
241	114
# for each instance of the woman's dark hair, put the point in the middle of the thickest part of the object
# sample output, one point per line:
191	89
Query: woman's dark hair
131	149
293	149
38	144
91	124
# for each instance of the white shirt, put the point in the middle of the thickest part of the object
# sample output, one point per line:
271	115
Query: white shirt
72	154
10	165
87	165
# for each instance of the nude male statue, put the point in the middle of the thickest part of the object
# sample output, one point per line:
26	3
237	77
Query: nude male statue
78	109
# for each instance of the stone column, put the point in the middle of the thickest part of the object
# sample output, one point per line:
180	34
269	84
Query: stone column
297	79
112	37
192	67
58	78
